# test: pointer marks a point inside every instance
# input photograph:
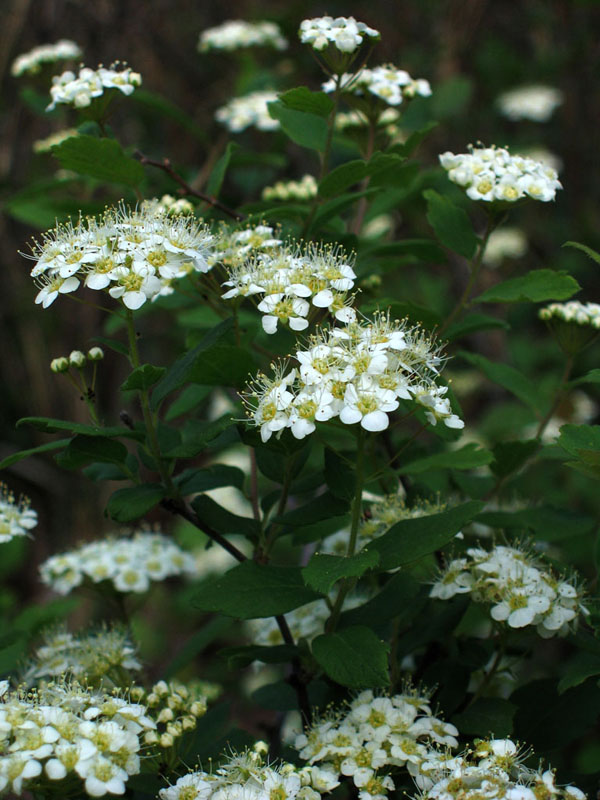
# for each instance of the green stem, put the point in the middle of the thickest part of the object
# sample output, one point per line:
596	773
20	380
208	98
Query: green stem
348	583
475	268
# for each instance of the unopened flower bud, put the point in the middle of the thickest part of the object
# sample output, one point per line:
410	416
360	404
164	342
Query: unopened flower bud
160	688
59	364
166	715
136	693
198	708
262	748
151	737
175	729
166	740
77	359
95	354
188	723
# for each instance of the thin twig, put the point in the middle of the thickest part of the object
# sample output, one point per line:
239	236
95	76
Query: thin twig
165	166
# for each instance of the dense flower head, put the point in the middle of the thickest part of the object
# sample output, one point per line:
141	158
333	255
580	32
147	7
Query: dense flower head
493	768
304	189
174	707
235	34
134	255
520	589
357	373
32	62
129	563
536	103
234	247
504	243
493	175
288	280
375	735
246	776
386	83
573	311
99	654
378	519
344	33
67	730
250	110
82	89
16	517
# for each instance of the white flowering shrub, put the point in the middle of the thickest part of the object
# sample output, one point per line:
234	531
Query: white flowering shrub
312	448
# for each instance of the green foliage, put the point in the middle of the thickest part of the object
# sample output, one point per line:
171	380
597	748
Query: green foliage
323	571
302	99
535	287
508	377
469	456
306	129
353	657
450	223
143	377
102	159
126	505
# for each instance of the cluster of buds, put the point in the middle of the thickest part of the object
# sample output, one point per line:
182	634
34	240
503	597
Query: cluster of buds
236	34
250	110
574	325
174	707
76	359
304	189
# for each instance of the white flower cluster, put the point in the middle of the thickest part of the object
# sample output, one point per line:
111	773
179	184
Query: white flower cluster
573	311
492	174
288	277
134	255
130	563
169	205
236	34
387	83
344	33
174	707
32	62
245	776
381	516
99	654
81	89
69	731
46	145
235	247
304	189
374	736
358	374
249	110
504	243
492	769
520	590
536	103
16	517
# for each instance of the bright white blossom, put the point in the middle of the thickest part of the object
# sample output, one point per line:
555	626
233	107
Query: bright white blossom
493	175
375	735
304	189
359	373
386	83
492	768
344	33
573	311
129	563
16	517
536	103
133	255
521	591
246	776
70	731
32	62
504	243
236	34
250	110
82	89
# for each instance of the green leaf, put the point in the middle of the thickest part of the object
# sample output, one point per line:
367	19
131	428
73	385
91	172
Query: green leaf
85	449
339	475
142	378
510	456
324	570
419	249
336	205
546	522
307	130
191	397
411	539
217	176
253	590
239	657
126	505
581	667
401	598
195	480
414	140
473	323
487	716
342	177
593	377
48	425
102	159
33	451
224	521
282	459
593	254
354	657
537	286
322	507
508	377
469	456
451	224
575	438
303	99
197	435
